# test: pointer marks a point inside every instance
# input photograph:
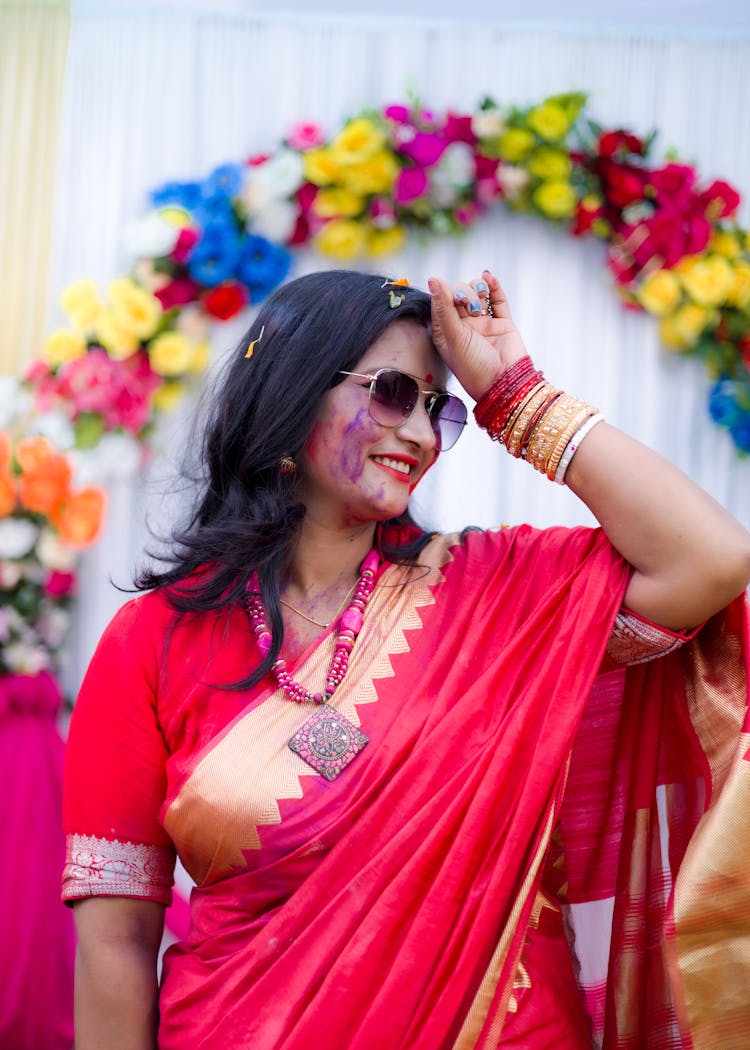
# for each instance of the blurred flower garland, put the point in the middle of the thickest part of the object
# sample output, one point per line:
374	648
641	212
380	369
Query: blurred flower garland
208	249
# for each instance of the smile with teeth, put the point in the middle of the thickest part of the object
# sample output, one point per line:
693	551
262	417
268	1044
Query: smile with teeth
394	464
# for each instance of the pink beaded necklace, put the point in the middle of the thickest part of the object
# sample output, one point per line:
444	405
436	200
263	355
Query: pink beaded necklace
327	741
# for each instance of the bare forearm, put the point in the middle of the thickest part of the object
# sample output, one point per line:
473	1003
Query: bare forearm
690	556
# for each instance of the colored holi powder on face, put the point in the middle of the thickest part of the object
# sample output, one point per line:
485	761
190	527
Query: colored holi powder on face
351	460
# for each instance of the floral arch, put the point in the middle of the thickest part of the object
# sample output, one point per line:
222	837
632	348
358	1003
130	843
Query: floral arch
206	249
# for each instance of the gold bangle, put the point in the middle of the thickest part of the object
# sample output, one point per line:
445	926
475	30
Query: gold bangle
517	428
585	411
552	433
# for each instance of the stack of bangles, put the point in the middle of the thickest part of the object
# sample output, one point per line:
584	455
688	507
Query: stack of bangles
534	420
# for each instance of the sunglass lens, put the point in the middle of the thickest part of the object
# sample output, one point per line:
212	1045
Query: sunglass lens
393	397
448	416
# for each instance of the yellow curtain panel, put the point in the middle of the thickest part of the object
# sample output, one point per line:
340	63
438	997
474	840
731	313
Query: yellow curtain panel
33	44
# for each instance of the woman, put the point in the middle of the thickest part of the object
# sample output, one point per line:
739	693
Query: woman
358	736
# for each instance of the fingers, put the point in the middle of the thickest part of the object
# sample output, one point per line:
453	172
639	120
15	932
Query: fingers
482	296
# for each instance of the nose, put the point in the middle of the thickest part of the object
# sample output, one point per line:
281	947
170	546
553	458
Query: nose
418	428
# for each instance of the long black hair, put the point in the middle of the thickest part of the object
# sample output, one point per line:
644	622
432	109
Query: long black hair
261	409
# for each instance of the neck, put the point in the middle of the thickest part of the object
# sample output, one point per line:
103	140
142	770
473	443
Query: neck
325	558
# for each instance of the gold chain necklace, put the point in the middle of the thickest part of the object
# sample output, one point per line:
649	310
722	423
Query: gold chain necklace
317	622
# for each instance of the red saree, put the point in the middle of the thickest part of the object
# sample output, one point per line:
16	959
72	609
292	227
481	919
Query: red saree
390	907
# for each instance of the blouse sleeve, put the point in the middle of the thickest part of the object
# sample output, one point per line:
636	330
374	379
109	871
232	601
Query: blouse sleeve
636	641
115	769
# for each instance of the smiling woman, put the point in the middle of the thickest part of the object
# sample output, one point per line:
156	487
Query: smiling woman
411	774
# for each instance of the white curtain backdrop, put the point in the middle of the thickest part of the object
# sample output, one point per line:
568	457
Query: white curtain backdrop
154	93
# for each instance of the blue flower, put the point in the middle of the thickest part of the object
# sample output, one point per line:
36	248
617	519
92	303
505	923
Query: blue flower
224	181
722	403
262	266
215	256
183	194
741	434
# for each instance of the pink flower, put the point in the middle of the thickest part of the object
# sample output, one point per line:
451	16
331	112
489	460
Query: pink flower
398	114
305	196
59	584
410	184
458	129
425	149
467	214
673	181
183	248
178	292
305	136
258	159
382	212
720	200
488	189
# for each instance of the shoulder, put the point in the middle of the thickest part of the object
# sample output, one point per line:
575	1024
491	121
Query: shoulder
489	546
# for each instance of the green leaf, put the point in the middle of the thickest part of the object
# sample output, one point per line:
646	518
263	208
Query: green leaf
88	429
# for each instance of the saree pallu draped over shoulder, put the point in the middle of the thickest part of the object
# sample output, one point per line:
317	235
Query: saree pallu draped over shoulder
392	908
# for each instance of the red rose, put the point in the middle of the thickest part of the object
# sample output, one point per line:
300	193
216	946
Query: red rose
620	143
258	159
301	232
622	185
485	167
225	300
584	218
305	196
720	200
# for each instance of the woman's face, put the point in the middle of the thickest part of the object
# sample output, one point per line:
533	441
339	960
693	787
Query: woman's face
354	470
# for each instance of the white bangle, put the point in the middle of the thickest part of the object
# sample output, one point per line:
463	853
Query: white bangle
574	444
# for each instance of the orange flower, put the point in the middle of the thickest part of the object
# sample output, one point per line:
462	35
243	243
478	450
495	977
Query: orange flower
7	482
44	485
80	520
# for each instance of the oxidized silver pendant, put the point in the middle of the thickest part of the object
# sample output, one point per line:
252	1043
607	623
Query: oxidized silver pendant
328	742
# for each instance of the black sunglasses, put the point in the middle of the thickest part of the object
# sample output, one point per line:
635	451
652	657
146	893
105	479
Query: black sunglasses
393	396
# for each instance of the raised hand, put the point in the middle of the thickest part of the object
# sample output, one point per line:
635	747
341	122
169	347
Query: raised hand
474	332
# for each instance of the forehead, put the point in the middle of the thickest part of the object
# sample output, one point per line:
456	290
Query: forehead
408	346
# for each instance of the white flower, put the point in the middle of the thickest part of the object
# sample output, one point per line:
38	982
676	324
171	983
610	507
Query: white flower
453	172
17	537
276	221
115	456
52	626
14	402
56	427
511	179
25	659
54	554
488	123
10	574
150	235
275	180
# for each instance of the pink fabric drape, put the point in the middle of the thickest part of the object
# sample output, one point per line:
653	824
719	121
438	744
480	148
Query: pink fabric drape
37	946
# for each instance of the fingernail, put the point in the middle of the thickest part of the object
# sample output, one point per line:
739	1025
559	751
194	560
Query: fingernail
482	286
432	284
475	307
461	296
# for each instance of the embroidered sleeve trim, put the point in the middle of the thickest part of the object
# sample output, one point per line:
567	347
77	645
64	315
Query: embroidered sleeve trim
99	867
636	641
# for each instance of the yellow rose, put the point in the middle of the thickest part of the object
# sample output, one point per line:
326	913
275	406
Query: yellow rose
515	144
548	163
319	167
708	280
550	121
117	339
63	345
555	198
357	141
81	304
385	242
134	307
725	243
681	330
375	175
337	203
342	239
171	354
175	216
167	396
660	293
201	356
739	293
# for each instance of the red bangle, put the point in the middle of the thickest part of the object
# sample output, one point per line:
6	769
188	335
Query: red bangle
495	407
